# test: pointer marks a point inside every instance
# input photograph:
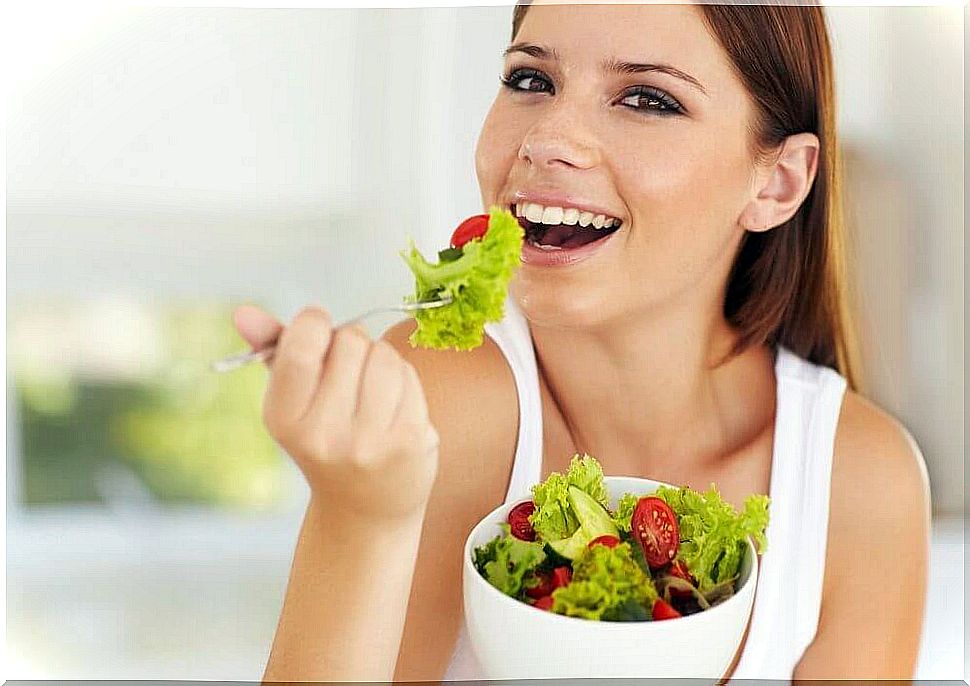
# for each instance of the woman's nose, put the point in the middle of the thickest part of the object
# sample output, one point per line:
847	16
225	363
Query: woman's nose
559	140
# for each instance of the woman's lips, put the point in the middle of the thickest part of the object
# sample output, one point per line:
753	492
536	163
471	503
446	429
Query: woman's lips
539	257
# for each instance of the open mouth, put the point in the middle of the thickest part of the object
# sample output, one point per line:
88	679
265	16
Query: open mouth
554	228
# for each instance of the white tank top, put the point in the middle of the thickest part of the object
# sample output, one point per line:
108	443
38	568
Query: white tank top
788	597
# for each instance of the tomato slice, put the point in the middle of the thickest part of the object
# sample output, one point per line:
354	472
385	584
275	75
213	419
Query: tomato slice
561	576
544	603
662	610
654	525
679	569
607	540
519	521
545	587
470	229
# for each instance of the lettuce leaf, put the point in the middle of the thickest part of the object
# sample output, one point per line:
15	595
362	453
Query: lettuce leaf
477	280
505	561
713	533
605	580
554	518
624	511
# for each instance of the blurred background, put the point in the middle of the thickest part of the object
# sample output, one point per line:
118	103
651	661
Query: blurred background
164	165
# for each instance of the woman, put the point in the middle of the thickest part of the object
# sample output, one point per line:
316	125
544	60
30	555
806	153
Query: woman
704	340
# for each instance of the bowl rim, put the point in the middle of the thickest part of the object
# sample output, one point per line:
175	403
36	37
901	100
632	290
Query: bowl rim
468	568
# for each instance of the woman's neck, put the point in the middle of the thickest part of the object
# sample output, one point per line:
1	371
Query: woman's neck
652	386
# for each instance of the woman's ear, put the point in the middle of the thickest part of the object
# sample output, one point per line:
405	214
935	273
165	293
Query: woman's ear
789	181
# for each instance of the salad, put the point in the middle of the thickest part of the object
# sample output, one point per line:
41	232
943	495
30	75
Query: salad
672	553
475	271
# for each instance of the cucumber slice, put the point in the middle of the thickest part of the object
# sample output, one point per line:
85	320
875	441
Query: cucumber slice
594	521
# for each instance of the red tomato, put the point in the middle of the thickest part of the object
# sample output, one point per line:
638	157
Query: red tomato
561	576
662	610
544	603
545	587
654	525
679	569
470	229
607	540
519	521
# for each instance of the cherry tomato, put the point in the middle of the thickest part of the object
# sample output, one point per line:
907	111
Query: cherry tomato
607	540
679	569
470	229
561	576
654	525
519	521
545	587
662	610
544	603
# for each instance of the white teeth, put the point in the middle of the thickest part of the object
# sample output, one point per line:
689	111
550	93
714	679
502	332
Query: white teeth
570	216
533	212
552	215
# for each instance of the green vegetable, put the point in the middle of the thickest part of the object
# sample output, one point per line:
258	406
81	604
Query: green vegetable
477	279
624	511
555	518
713	534
594	521
505	561
604	582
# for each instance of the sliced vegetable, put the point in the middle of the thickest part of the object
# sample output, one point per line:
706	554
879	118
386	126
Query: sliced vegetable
662	610
541	585
519	521
594	521
607	540
561	576
544	603
555	517
471	228
654	526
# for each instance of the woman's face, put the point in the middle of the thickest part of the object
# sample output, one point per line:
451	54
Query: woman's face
665	154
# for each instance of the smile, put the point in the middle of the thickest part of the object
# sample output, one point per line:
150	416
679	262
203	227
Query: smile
562	228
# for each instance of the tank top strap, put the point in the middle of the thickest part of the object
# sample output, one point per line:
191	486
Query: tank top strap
511	334
789	594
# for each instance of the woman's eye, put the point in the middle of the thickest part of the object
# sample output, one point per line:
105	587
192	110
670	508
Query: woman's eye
527	80
651	100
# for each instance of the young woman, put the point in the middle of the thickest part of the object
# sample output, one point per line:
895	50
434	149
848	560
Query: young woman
704	340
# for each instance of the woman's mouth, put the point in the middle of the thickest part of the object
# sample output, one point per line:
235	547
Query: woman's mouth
561	235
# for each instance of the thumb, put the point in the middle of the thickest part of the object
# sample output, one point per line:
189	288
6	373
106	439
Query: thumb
258	328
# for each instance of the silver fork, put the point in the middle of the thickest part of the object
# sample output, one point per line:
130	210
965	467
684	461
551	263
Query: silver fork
227	364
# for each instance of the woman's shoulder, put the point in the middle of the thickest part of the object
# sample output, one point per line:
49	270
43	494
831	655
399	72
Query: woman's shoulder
473	404
880	500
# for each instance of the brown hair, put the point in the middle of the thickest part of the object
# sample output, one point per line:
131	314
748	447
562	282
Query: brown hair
787	286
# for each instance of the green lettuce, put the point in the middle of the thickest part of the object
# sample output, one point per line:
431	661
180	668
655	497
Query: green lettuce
505	561
554	518
713	534
624	511
476	276
606	583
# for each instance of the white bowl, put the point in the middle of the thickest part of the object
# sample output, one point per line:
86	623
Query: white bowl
513	640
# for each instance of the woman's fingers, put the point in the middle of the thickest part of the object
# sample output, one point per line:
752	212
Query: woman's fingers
258	328
297	368
335	402
381	390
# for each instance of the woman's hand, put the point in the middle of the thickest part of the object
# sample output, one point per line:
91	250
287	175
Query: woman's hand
350	411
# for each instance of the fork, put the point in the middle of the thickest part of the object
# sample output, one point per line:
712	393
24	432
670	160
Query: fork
227	364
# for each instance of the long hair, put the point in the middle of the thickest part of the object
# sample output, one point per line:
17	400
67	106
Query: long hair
787	285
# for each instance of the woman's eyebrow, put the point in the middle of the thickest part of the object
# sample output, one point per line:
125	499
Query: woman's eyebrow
640	68
532	50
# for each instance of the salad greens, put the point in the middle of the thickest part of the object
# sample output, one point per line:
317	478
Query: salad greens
555	516
476	275
566	552
604	581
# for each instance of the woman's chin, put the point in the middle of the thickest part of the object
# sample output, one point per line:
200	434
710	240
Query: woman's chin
547	304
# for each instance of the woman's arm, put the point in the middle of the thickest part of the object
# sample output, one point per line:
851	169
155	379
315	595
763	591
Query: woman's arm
877	556
472	402
344	610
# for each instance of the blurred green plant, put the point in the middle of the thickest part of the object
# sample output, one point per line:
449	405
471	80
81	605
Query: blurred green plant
190	435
